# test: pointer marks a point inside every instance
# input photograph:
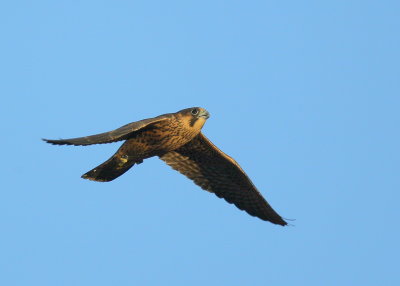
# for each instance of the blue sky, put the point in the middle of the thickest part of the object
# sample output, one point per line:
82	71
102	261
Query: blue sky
304	95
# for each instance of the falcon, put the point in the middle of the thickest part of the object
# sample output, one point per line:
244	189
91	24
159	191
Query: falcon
176	138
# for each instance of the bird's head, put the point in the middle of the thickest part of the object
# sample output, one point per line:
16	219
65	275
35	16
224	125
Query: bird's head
194	117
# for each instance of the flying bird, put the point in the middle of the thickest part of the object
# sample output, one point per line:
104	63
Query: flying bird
176	138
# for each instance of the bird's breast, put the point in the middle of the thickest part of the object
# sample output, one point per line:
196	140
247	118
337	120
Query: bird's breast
162	138
171	138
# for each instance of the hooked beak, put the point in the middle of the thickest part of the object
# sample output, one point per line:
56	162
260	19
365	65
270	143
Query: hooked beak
204	113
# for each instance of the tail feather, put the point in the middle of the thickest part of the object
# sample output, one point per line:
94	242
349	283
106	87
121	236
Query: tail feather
110	169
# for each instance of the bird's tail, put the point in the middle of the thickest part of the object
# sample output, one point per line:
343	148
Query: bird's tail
110	169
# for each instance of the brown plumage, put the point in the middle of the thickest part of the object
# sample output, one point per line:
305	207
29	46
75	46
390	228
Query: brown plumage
176	139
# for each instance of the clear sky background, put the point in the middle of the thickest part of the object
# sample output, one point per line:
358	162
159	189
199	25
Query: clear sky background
303	94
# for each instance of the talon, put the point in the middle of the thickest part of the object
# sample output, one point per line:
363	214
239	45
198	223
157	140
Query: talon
123	159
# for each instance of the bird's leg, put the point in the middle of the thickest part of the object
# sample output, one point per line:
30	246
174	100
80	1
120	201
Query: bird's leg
125	158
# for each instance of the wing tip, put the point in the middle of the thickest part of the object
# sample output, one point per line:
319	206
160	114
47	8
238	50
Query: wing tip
64	142
57	142
53	142
275	219
280	222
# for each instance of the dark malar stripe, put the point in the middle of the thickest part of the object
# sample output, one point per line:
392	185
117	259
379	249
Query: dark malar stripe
193	121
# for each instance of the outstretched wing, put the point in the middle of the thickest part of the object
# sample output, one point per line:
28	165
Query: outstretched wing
119	134
201	161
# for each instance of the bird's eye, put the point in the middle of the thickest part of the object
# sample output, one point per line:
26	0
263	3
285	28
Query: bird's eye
195	111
